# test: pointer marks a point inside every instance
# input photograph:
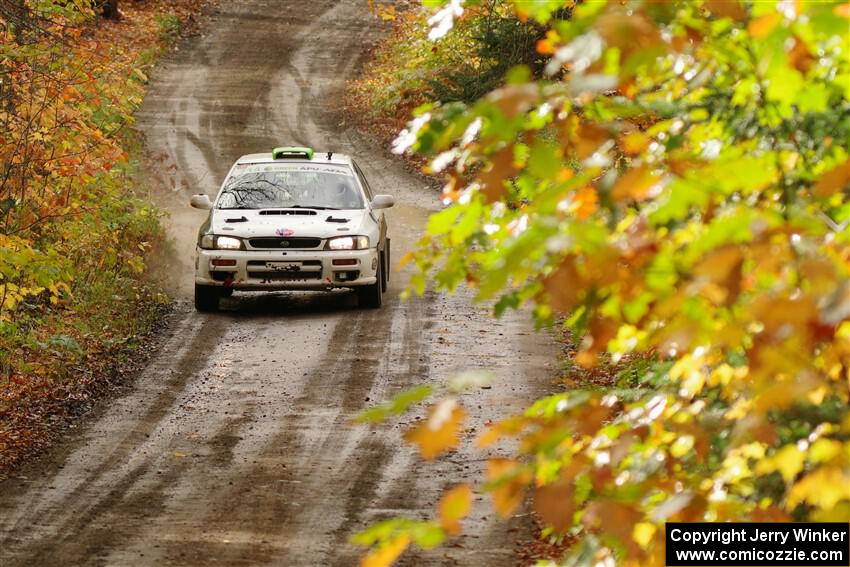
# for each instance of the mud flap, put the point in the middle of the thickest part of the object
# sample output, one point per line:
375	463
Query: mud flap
385	267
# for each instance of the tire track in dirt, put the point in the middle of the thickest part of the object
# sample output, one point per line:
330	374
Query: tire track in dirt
187	357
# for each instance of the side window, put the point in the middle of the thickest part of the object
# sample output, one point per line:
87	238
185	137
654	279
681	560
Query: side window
363	181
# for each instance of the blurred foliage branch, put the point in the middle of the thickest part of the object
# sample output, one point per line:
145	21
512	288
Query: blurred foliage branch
678	188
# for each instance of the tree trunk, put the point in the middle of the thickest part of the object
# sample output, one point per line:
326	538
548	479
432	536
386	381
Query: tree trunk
109	10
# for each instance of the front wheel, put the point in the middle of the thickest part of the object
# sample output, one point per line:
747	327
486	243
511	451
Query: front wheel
372	296
206	297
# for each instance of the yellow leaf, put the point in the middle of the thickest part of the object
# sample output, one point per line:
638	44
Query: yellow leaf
564	285
615	519
632	33
405	259
634	184
510	480
588	138
490	436
439	432
545	47
555	504
634	142
820	273
492	178
726	9
385	555
722	267
585	202
600	331
800	57
824	488
454	506
789	461
762	26
514	100
824	450
643	532
833	180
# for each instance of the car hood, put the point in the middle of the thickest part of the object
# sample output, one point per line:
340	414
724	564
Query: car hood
287	222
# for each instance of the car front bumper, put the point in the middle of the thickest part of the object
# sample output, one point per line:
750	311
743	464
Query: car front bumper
293	269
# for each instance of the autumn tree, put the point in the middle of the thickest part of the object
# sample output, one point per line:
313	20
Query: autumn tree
676	192
64	102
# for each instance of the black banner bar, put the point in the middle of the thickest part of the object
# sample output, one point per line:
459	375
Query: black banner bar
765	544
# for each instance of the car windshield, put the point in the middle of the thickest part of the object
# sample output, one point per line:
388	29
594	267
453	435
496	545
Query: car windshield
277	186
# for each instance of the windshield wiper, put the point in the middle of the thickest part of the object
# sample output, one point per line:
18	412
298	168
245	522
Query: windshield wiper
316	207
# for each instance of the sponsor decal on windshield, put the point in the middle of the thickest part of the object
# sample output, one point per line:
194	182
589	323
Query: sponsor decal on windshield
299	167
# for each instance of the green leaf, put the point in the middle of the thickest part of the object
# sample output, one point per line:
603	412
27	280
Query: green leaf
399	404
470	379
544	162
440	223
814	98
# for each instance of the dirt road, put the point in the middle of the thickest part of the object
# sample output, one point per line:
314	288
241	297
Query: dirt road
235	445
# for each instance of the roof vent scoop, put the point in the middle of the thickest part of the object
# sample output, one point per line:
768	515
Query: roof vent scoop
292	152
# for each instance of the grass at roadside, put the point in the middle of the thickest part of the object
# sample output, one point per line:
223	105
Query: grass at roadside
78	308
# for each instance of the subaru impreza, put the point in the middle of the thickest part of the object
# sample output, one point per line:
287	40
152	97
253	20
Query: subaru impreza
292	219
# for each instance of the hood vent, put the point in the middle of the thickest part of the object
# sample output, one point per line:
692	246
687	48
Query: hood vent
307	212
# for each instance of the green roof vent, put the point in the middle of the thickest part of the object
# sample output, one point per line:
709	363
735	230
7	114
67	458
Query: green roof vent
292	152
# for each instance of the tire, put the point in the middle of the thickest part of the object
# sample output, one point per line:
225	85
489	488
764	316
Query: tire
372	296
206	298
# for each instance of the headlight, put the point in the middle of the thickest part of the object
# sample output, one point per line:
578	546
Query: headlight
213	242
228	243
348	243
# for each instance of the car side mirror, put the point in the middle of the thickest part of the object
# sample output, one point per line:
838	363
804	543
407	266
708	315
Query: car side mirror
201	202
383	202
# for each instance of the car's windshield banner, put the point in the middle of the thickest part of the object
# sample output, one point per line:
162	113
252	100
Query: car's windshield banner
301	167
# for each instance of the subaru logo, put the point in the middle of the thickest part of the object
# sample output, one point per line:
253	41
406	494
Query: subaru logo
284	243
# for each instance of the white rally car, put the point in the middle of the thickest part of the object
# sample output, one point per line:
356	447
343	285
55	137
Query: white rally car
292	220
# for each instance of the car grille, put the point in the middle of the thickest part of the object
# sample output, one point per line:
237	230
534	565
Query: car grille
278	242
